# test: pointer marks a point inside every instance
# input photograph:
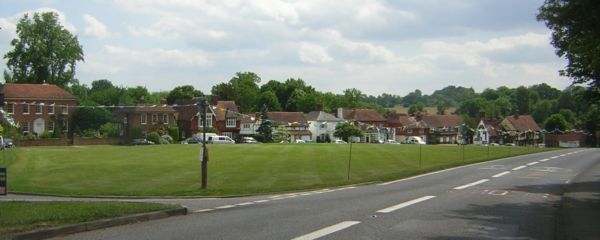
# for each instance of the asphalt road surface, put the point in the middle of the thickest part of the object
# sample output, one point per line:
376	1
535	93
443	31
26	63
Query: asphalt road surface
513	198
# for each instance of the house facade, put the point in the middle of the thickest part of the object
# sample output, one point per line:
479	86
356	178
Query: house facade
370	122
294	122
322	125
406	127
147	118
227	119
38	108
443	129
521	130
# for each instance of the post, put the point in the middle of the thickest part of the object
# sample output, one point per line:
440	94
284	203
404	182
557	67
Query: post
488	150
204	150
463	152
349	158
420	154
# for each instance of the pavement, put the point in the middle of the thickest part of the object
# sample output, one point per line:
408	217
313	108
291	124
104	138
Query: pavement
562	192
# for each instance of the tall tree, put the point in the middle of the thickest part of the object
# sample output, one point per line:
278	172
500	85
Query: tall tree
183	92
575	29
269	99
43	51
556	122
265	130
346	130
521	100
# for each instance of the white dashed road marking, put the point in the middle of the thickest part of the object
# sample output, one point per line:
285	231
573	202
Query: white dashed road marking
545	159
500	174
532	163
471	184
327	230
519	167
405	204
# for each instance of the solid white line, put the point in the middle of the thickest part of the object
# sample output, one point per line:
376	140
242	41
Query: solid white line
519	167
405	204
245	203
562	155
500	174
261	201
532	163
555	157
545	159
327	230
471	184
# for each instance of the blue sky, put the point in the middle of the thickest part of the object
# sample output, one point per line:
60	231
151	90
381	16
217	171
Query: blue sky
376	46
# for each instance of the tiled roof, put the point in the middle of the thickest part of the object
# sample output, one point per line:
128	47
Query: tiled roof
225	109
248	118
438	121
287	117
321	116
523	123
362	115
35	91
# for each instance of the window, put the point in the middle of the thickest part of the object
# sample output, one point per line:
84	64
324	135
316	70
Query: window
228	134
65	109
25	127
51	109
231	123
51	126
323	125
208	121
143	118
10	108
66	126
154	118
165	118
26	108
124	120
246	126
38	109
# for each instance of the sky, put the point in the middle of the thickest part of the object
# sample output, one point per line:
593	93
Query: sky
376	46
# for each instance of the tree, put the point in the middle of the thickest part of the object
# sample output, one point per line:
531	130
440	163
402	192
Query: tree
542	110
353	97
86	118
43	51
269	99
265	130
576	37
346	130
183	92
521	100
282	134
473	107
415	108
246	91
556	122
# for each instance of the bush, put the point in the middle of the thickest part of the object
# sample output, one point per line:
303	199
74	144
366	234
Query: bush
110	130
166	139
154	137
46	135
135	133
90	133
174	133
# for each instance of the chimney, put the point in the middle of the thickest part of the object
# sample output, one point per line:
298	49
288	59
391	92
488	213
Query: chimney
340	113
163	101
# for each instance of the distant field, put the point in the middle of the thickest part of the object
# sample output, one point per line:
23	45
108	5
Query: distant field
174	170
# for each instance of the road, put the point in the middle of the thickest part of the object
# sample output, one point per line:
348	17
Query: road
513	198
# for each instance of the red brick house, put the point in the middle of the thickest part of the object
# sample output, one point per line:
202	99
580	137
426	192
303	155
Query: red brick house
295	122
521	130
227	119
443	129
406	126
373	125
38	108
188	120
145	117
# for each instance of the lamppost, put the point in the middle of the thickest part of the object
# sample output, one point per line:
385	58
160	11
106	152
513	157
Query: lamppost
203	152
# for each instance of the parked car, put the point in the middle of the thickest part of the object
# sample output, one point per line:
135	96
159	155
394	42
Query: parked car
509	144
494	144
8	143
390	141
142	141
414	140
339	141
300	141
220	140
249	140
192	140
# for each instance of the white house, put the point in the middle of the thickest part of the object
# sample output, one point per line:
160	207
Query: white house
482	136
322	125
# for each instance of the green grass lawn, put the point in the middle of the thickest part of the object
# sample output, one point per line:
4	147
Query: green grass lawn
25	216
174	170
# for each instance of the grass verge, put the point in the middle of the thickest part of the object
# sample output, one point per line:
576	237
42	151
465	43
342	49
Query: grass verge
174	170
20	216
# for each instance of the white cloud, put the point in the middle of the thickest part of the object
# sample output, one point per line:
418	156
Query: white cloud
94	28
9	23
313	54
158	57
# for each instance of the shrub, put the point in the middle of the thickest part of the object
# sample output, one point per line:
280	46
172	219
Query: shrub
154	137
166	139
90	133
174	133
110	130
46	135
135	133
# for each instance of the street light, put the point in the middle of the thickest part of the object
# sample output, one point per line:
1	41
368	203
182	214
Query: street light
203	151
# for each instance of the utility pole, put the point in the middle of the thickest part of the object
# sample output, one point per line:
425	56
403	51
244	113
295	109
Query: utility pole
204	151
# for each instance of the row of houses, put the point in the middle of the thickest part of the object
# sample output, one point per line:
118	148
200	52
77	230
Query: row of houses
38	108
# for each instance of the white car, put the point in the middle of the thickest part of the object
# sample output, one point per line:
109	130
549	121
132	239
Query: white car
220	140
391	142
300	141
339	141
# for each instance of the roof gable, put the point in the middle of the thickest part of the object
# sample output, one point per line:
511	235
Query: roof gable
226	109
363	115
438	121
321	117
287	117
522	123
